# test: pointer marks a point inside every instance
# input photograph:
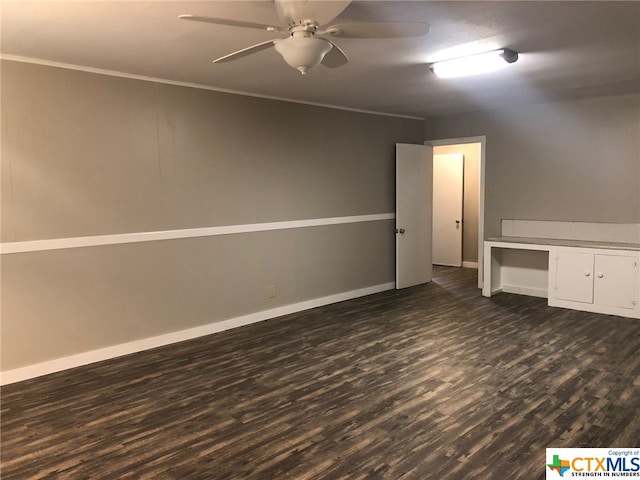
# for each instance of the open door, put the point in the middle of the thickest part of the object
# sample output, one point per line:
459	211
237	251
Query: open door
414	184
448	172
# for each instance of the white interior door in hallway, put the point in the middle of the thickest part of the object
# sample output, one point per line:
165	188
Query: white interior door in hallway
448	181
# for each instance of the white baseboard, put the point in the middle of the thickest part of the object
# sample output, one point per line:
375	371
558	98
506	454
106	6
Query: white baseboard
522	290
85	358
464	265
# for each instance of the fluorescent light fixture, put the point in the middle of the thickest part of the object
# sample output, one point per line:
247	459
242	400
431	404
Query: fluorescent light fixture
474	64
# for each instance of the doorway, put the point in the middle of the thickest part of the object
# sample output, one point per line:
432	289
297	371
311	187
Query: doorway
473	150
448	189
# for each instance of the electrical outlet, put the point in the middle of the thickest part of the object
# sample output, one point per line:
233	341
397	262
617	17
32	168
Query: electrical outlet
272	291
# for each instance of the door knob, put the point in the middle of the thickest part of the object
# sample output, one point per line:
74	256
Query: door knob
400	231
457	223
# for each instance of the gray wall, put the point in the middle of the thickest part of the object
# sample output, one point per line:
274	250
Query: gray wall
569	161
86	154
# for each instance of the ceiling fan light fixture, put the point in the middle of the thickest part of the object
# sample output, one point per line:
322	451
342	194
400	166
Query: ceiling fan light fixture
303	53
474	64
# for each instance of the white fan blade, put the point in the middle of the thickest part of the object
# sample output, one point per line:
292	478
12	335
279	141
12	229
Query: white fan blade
335	57
231	23
246	51
378	30
322	11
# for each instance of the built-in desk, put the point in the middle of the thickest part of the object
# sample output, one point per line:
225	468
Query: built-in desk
603	277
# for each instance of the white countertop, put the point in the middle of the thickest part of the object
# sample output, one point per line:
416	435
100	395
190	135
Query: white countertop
558	242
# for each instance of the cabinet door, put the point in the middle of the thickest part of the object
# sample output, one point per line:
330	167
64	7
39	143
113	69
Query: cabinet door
574	276
616	281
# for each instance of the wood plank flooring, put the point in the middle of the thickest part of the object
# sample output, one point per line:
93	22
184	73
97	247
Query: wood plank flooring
432	382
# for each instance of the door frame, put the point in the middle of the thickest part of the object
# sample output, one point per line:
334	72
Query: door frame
482	140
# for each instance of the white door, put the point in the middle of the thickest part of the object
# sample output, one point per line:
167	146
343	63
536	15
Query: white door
574	276
615	281
414	179
447	209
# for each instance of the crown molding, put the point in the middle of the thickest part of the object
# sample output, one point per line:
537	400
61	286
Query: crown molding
114	73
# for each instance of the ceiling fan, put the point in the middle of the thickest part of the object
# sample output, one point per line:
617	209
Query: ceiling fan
305	44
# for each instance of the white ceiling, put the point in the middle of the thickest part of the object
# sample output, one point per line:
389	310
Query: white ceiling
567	49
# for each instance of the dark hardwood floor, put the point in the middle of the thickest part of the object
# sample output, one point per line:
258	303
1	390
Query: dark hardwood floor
432	382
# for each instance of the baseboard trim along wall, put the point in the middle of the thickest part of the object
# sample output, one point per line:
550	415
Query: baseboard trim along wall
85	358
118	238
525	290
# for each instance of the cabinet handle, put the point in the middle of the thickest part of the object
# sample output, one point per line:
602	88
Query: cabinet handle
587	274
600	275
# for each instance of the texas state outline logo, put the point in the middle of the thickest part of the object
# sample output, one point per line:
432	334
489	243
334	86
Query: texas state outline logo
559	465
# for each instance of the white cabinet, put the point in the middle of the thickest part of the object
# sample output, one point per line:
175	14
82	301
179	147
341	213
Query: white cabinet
615	281
574	276
596	280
